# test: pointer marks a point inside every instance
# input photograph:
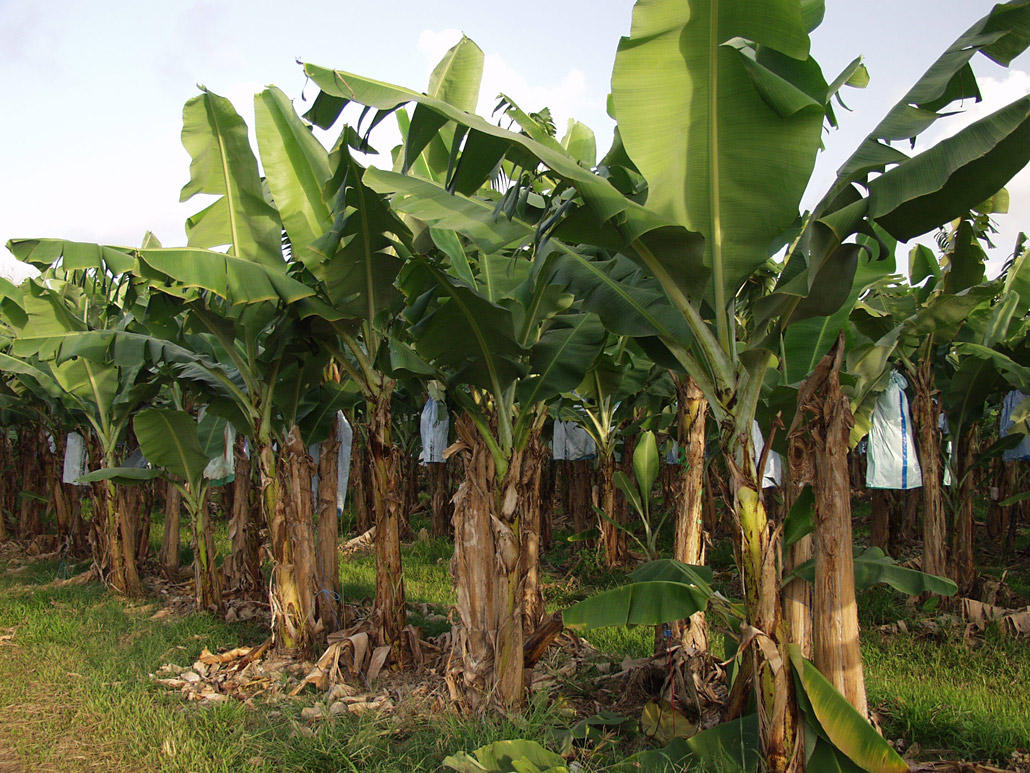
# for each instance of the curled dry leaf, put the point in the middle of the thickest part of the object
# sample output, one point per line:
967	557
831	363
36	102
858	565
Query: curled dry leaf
225	657
378	661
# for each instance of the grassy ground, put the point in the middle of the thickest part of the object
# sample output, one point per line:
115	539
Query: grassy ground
75	696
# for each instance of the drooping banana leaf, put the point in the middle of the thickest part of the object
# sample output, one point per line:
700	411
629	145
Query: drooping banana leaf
729	747
240	281
637	603
72	256
487	354
169	439
952	177
1001	35
557	361
673	571
840	723
612	289
359	252
120	476
872	566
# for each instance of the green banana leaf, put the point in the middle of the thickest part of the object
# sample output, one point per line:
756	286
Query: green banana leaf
1017	375
730	747
557	361
296	167
1001	35
71	256
612	289
487	354
949	179
630	490
211	435
921	264
806	341
603	198
824	757
799	521
121	476
580	142
637	603
169	440
455	80
671	570
224	165
361	250
872	566
37	376
645	462
839	722
431	203
93	384
714	158
238	280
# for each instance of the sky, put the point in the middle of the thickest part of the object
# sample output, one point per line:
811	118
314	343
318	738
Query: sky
89	137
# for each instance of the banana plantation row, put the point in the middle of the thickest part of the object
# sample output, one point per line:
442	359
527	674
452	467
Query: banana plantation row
525	279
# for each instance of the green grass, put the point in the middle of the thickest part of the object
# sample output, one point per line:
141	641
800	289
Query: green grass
943	693
76	696
74	685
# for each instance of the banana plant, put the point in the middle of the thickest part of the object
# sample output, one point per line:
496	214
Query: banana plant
839	736
181	448
638	492
987	357
238	335
524	345
248	318
356	253
604	406
100	385
895	325
28	403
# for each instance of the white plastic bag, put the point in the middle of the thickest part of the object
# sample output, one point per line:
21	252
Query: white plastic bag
345	434
673	455
434	426
942	425
572	442
74	458
892	459
221	467
136	460
1021	452
772	474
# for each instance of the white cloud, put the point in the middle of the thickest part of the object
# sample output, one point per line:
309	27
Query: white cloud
567	97
434	44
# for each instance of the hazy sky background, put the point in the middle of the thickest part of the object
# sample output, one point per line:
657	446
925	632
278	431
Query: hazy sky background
89	137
